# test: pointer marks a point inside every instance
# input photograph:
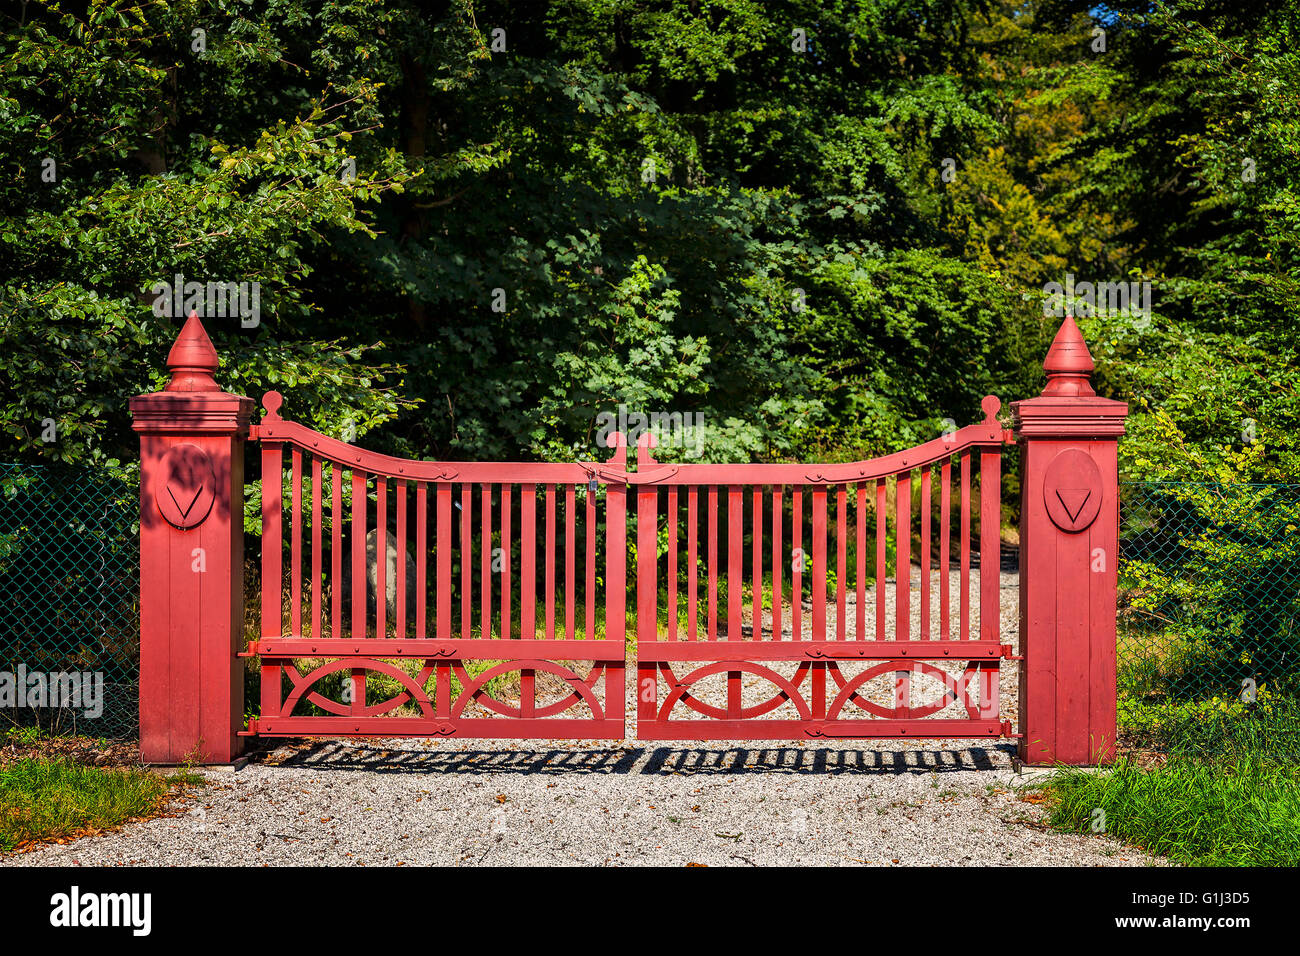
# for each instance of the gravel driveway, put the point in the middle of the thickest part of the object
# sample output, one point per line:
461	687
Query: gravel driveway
449	802
492	802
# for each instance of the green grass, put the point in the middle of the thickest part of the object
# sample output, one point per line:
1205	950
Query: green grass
49	799
1243	811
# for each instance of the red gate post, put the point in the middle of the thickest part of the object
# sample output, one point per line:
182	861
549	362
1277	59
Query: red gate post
191	558
1069	530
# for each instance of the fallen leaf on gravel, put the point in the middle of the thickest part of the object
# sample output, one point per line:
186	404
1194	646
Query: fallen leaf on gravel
697	864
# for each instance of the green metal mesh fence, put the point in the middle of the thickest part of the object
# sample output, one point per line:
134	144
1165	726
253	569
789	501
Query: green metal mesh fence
69	599
1209	601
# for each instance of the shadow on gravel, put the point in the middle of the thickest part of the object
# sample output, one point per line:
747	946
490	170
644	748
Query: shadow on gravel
333	755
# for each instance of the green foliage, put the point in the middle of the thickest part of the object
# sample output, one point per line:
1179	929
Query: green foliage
651	187
49	799
1243	813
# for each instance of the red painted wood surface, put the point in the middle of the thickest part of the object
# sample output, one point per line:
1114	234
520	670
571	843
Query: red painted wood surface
191	572
801	673
438	583
1067	570
398	562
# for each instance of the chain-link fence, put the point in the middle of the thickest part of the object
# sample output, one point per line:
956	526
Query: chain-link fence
1209	601
69	600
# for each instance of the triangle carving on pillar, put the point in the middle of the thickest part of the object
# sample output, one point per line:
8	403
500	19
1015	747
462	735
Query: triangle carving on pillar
1074	499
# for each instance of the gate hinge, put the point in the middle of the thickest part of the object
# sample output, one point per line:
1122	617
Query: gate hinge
1007	731
1008	436
251	730
1008	653
250	651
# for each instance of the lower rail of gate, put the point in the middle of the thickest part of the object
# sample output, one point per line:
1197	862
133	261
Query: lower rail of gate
438	598
811	620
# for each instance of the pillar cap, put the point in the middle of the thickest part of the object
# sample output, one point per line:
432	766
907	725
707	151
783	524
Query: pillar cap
193	359
1068	364
192	401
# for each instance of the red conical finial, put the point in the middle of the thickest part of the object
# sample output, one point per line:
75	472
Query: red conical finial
1068	364
192	360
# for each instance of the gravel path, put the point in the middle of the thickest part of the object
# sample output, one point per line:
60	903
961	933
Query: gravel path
492	802
449	802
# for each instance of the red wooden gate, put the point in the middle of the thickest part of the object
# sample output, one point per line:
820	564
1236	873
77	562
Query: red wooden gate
825	644
453	522
865	665
472	528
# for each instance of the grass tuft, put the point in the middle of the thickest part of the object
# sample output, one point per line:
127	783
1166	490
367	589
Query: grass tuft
1242	812
43	800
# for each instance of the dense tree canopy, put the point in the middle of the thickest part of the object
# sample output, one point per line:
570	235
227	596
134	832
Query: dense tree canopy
826	226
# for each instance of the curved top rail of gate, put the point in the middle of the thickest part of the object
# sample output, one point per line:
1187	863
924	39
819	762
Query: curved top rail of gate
274	428
986	433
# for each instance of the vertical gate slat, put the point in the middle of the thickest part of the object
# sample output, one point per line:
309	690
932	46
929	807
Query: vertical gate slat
963	625
570	550
882	531
818	570
485	562
505	627
442	491
527	591
756	585
295	545
528	562
550	562
903	556
399	616
817	678
841	561
693	548
903	694
735	559
861	560
925	634
317	492
615	594
442	670
713	563
381	556
358	554
945	548
647	594
778	519
797	565
272	577
671	581
336	551
990	543
466	559
590	579
421	596
735	574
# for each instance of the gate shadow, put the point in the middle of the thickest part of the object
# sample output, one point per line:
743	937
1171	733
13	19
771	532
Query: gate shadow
650	761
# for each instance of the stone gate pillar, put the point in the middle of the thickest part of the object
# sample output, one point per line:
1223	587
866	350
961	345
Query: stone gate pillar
191	559
1069	531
